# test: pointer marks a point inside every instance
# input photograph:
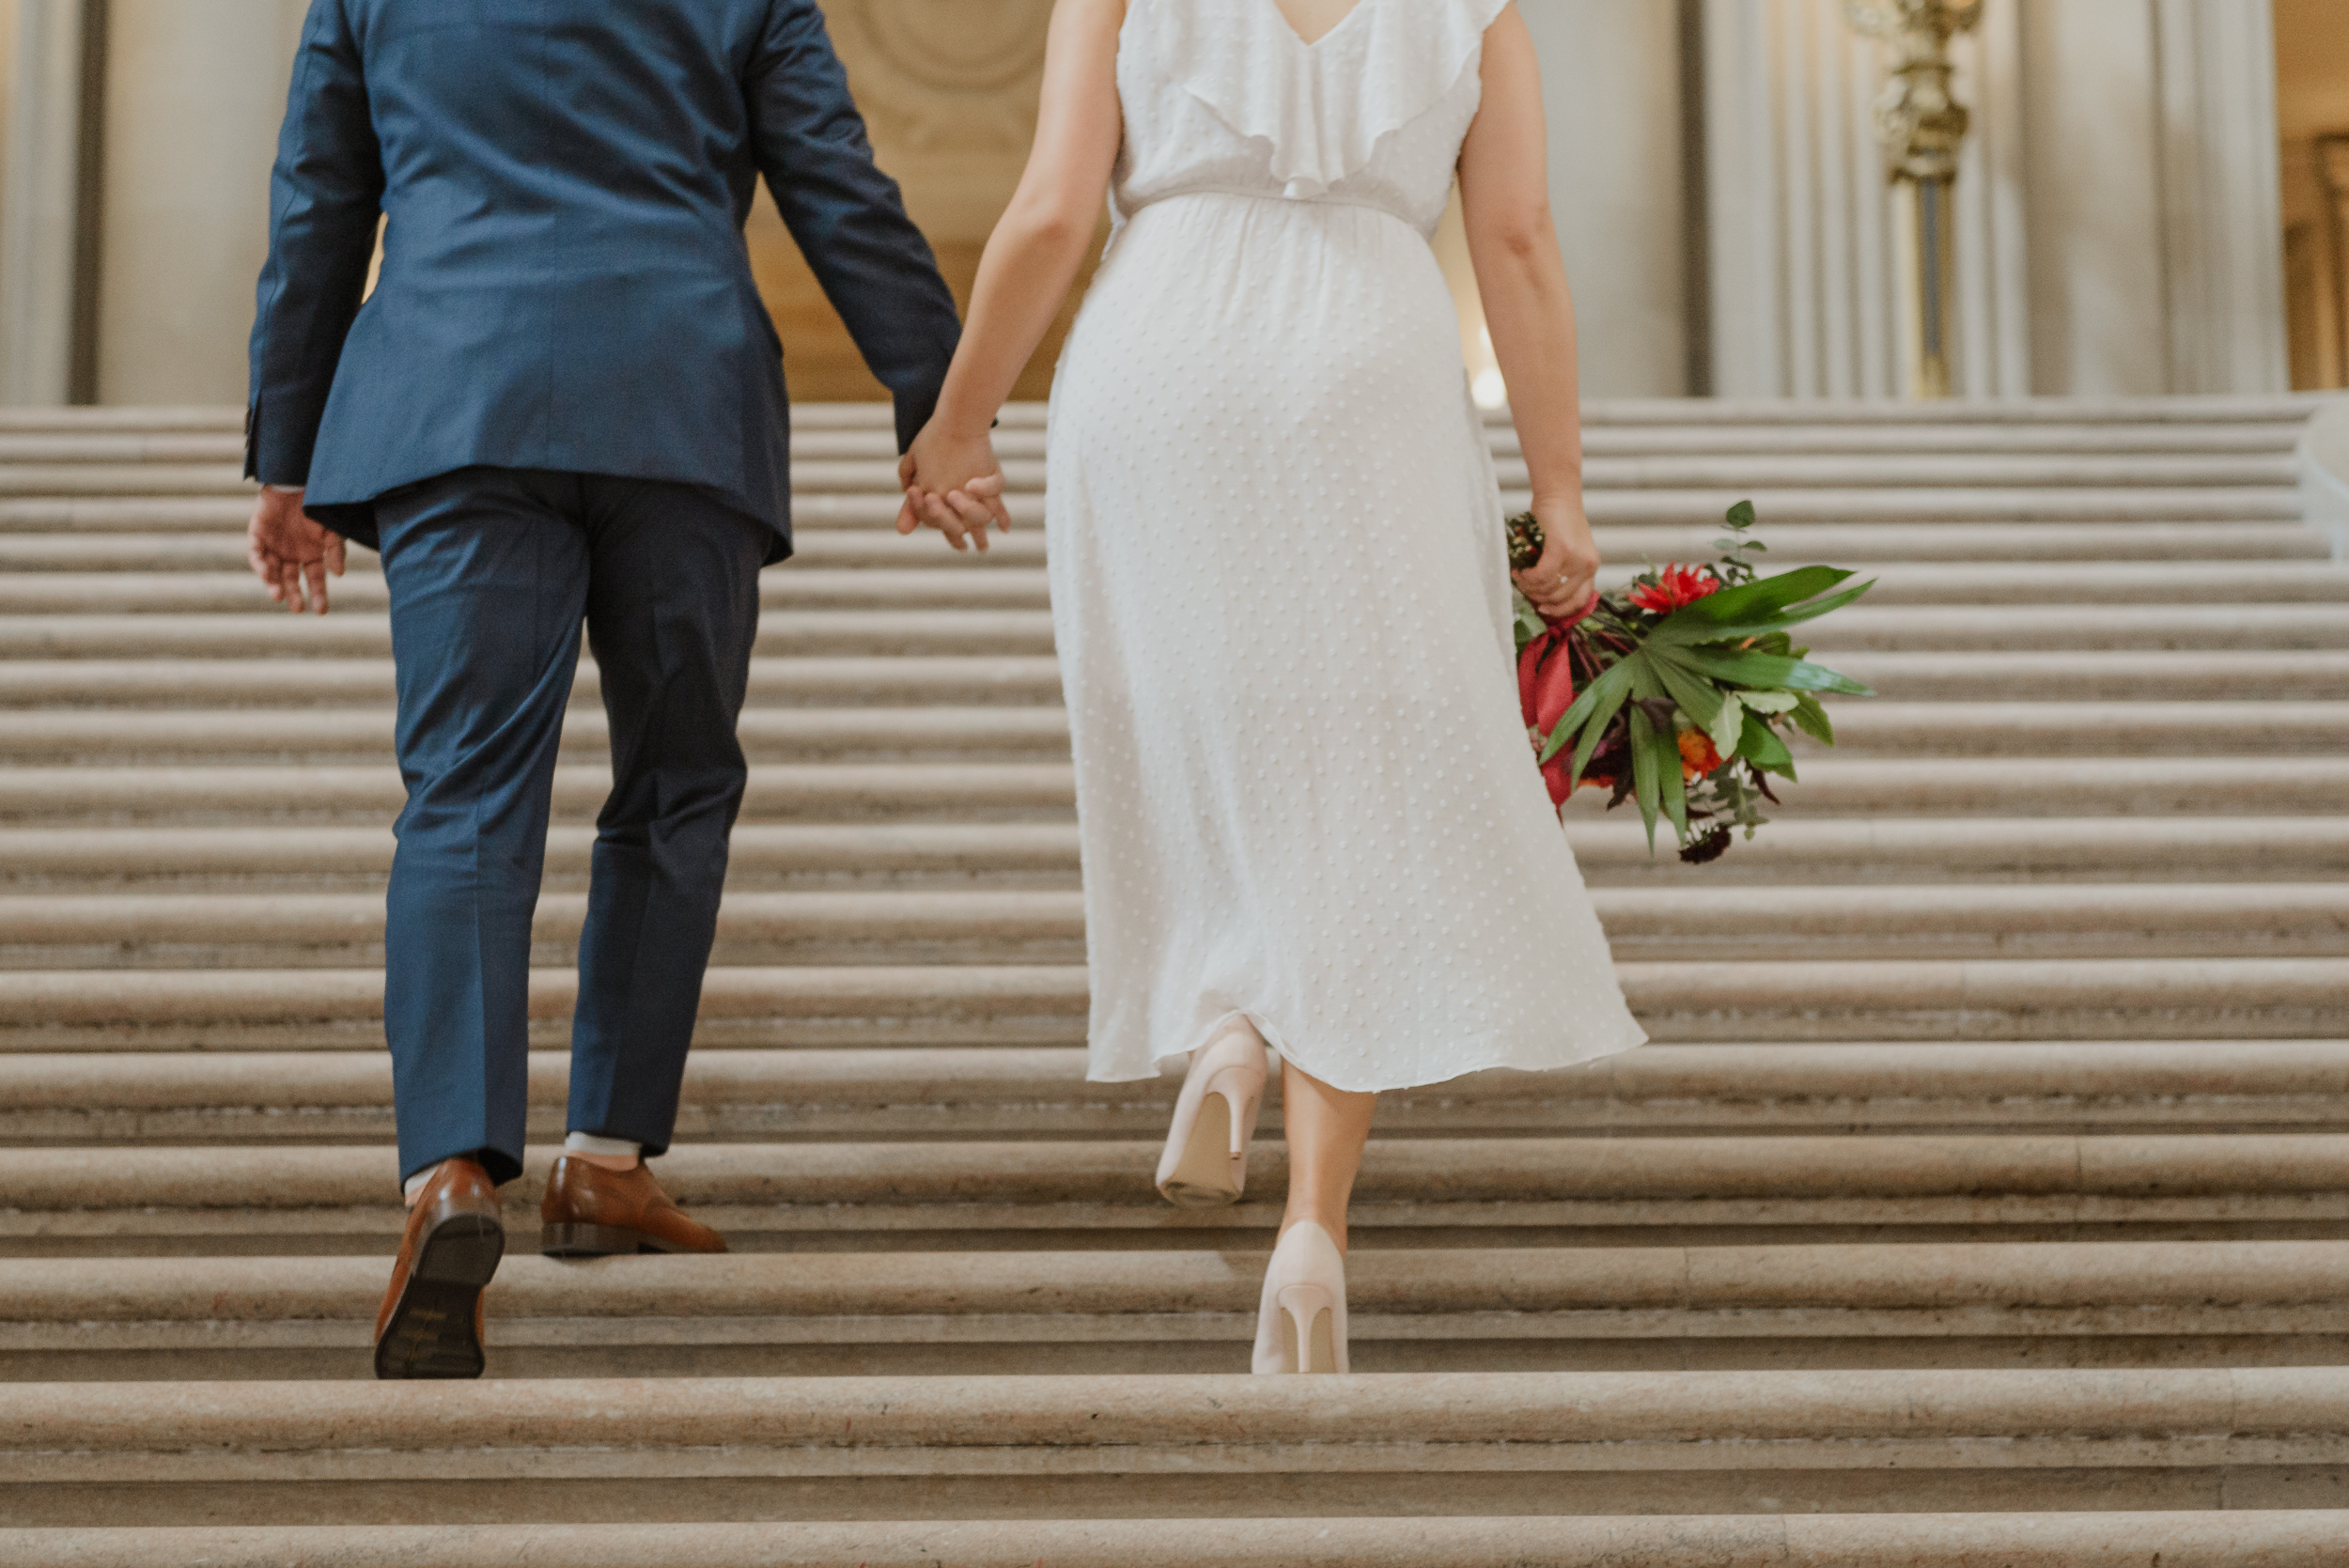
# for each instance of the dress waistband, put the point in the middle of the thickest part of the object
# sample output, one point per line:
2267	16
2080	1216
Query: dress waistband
1267	196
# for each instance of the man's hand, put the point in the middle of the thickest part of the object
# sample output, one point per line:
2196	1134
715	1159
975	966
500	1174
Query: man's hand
289	552
1566	577
953	484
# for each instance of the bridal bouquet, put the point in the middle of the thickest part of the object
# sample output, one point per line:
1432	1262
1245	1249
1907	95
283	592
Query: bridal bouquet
1678	691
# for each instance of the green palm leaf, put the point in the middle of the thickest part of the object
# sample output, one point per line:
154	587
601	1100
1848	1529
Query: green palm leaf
1769	672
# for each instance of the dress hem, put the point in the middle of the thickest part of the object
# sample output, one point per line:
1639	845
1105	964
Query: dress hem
1276	1046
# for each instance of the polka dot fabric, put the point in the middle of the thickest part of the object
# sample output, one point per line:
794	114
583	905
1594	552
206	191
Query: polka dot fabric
1278	582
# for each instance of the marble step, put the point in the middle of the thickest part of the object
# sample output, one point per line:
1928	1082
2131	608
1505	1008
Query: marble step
1687	922
171	442
25	473
95	540
1605	435
2270	785
935	1194
1829	509
1038	1312
1910	998
1610	850
1781	511
1003	732
2217	1538
2163	410
505	1450
174	1096
1034	681
137	587
266	632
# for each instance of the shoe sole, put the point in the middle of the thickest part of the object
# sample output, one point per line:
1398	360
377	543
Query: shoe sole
571	1240
431	1332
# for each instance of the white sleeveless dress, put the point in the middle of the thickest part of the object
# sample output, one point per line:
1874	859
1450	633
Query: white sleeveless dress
1278	582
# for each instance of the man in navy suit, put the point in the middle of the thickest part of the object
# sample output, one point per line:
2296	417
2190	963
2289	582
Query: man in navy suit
563	401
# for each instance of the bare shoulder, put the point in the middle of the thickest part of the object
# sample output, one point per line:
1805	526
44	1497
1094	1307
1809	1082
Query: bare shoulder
1084	34
1090	14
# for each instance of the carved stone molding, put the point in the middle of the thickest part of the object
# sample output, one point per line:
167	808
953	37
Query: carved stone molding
944	76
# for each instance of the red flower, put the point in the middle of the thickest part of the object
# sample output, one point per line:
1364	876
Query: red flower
1546	691
1675	586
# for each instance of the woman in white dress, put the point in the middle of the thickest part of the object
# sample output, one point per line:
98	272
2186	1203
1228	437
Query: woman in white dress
1309	815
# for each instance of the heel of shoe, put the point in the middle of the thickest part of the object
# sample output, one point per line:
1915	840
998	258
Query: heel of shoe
1308	1329
569	1239
1205	1164
1203	1176
1242	1090
435	1326
1300	1319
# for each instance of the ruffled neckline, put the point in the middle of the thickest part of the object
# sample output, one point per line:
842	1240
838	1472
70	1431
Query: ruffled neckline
1299	38
1321	108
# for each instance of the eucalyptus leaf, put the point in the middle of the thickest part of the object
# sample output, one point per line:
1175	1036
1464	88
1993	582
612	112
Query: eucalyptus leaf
1764	750
1728	725
1811	714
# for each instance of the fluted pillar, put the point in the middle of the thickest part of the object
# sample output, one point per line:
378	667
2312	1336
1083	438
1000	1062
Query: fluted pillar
2222	242
1804	295
40	187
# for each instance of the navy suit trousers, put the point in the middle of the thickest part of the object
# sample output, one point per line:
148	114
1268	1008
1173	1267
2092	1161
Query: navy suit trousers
491	572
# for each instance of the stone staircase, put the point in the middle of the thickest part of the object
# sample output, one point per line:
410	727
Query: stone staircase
1982	1199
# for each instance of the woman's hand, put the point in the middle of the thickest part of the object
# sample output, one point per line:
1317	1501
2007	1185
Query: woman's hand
1565	579
953	484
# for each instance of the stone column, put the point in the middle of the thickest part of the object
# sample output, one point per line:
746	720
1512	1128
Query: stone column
1804	299
41	184
1611	86
2222	230
195	91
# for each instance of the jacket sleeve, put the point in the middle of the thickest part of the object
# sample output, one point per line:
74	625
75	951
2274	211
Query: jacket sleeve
847	216
325	193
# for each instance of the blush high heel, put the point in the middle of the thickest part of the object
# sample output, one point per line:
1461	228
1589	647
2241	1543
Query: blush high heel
1205	1161
1301	1322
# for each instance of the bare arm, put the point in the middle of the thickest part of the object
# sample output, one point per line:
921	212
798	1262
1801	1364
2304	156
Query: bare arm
1504	194
1031	260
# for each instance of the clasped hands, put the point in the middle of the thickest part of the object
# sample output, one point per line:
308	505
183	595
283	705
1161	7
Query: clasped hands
953	484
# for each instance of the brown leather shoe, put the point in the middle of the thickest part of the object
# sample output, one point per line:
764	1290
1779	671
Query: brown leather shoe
590	1211
431	1324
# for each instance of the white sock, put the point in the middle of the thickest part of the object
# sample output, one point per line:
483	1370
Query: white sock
414	1184
588	1144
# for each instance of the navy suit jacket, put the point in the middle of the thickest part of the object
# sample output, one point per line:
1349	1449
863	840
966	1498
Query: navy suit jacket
565	284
